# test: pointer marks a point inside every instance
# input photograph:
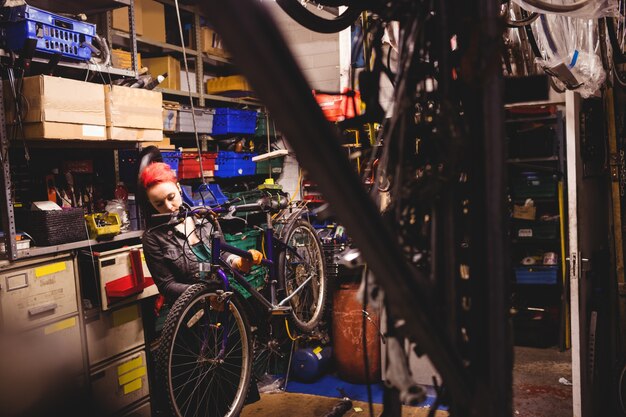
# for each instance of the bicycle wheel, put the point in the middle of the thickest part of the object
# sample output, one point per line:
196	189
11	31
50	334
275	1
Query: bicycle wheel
206	354
304	259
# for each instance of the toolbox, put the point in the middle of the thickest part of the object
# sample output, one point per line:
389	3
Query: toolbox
54	33
34	293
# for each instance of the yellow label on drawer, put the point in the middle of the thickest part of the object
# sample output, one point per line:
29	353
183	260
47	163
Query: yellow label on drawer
49	269
130	365
61	325
132	375
125	315
133	386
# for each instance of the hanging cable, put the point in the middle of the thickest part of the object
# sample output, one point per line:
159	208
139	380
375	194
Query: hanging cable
193	110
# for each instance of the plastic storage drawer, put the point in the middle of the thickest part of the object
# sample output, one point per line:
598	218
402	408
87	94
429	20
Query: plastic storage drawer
172	158
189	167
119	384
244	241
204	120
537	274
233	121
54	33
110	333
234	164
37	292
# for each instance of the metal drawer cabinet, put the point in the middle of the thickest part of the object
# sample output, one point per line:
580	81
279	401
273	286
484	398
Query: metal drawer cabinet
113	332
120	384
36	292
122	275
143	410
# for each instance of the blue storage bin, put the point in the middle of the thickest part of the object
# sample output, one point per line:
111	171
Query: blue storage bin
54	33
234	121
546	275
204	194
172	158
234	164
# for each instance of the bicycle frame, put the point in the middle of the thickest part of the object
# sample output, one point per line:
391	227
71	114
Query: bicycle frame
218	246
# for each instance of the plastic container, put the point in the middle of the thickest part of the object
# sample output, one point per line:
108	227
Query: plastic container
234	164
542	275
103	225
204	120
189	167
245	241
172	158
54	33
256	278
234	121
276	164
204	194
534	185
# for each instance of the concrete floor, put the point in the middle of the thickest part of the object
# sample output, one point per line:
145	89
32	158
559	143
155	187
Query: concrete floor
537	391
286	404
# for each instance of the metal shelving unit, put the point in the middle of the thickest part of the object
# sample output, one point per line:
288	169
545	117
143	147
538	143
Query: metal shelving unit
7	210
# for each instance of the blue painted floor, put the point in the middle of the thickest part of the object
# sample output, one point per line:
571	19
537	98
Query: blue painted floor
328	385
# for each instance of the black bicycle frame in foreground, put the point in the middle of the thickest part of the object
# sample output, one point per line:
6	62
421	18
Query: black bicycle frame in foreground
264	59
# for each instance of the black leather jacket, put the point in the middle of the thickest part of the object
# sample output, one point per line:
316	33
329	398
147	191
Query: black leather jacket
171	262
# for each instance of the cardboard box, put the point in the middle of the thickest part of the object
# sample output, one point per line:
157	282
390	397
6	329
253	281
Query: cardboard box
60	108
153	20
133	134
170	115
164	144
60	100
212	43
160	65
122	59
133	107
524	212
120	18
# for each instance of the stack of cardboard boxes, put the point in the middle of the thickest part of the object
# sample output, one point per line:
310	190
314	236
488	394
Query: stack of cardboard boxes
61	108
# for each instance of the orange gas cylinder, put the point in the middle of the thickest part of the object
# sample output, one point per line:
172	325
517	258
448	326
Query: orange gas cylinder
348	337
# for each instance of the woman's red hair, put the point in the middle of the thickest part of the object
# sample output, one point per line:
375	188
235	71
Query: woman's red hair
156	173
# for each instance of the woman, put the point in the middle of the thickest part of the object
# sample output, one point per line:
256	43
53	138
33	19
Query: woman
172	251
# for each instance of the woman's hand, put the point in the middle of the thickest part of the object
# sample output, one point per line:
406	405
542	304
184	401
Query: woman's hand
244	265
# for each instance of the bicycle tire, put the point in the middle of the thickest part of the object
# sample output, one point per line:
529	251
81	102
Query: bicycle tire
311	21
220	363
307	306
558	8
616	50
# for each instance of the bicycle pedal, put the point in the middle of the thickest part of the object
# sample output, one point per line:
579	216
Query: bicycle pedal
280	310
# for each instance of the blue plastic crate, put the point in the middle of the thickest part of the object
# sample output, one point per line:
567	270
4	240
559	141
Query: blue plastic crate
204	194
234	164
54	33
234	121
172	158
546	275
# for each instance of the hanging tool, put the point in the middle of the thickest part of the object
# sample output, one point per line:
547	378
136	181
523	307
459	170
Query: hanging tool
341	407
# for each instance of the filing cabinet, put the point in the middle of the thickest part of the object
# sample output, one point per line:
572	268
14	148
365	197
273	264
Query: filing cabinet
37	292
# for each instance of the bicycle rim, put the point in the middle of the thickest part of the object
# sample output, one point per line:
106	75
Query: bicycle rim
209	357
303	259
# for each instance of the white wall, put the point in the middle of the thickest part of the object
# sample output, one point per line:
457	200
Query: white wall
318	57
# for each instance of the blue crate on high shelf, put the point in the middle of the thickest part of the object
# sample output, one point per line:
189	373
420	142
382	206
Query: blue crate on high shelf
228	121
54	33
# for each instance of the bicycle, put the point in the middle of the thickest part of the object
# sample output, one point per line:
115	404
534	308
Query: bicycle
206	351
